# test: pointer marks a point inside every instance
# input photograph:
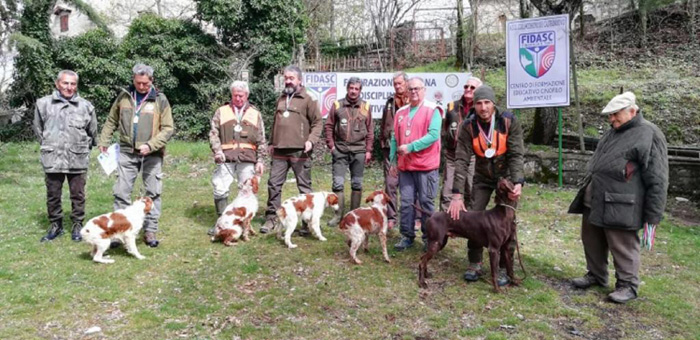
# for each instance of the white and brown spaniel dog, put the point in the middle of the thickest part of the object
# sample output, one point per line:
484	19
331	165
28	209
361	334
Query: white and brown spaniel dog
359	223
122	225
234	222
308	207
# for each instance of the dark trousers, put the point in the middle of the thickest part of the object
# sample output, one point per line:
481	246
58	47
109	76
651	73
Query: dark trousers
481	195
54	188
281	162
624	246
341	162
420	186
448	180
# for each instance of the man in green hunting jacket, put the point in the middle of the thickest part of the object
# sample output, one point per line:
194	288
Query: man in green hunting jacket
144	120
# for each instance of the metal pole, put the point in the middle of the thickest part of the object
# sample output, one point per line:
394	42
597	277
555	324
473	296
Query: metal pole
561	177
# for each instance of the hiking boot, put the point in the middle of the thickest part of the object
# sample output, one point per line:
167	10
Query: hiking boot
473	272
268	226
149	238
502	279
404	244
622	295
304	230
586	281
338	213
55	230
75	233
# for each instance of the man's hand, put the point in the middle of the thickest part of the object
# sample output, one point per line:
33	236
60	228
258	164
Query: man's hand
393	171
144	150
515	194
103	149
456	206
368	157
403	149
219	157
270	150
308	146
259	168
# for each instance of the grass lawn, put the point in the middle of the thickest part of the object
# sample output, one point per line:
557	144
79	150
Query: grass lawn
191	288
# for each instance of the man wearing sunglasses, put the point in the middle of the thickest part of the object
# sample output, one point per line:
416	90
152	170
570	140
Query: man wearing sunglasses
457	111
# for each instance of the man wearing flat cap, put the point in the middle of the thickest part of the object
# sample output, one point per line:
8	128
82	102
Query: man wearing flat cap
495	138
624	190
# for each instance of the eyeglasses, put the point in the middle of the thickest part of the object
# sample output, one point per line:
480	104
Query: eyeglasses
414	89
470	87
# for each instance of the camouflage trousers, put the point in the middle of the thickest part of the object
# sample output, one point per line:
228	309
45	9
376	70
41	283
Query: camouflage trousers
130	164
223	177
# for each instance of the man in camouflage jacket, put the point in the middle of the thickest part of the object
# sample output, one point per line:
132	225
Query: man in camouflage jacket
66	127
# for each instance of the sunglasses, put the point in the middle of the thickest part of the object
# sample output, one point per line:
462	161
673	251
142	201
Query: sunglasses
470	87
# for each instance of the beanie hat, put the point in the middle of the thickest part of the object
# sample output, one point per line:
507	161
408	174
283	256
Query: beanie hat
484	92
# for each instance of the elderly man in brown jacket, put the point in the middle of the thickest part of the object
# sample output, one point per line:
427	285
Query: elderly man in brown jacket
296	127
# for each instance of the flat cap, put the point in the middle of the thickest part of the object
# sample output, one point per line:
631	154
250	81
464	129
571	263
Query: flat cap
619	102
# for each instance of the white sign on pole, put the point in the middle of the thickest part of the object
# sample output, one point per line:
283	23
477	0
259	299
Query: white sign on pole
537	62
441	88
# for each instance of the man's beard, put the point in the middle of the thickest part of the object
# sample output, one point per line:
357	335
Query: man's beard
289	89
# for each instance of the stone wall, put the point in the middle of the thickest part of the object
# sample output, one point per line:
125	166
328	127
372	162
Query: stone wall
541	167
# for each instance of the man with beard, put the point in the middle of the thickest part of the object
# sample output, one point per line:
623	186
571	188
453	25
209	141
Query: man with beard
349	131
296	127
457	112
495	138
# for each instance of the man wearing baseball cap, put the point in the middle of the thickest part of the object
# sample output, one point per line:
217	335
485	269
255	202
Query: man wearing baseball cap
624	190
495	138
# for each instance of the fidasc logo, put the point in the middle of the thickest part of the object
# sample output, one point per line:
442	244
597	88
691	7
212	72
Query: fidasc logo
537	52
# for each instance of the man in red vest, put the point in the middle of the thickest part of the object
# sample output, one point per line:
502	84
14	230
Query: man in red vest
496	139
237	139
416	141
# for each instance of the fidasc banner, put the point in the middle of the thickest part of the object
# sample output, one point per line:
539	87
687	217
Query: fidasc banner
537	62
378	87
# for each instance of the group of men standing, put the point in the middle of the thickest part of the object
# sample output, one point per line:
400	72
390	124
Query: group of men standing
475	141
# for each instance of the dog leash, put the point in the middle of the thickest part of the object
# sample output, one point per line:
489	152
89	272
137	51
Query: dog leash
142	190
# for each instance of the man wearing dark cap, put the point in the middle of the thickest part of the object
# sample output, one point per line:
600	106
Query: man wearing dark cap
495	138
624	190
349	132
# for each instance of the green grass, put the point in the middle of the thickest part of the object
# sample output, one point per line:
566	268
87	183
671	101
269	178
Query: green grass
192	288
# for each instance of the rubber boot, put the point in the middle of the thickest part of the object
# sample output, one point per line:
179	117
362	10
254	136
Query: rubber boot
341	210
220	205
355	199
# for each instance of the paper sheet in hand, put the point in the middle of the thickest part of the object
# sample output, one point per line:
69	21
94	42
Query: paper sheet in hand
109	160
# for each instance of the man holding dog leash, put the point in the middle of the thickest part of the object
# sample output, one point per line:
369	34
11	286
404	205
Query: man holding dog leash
237	139
495	138
144	120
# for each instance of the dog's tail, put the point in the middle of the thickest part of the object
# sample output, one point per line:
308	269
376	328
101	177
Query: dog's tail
427	214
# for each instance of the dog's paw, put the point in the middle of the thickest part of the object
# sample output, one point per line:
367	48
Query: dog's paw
356	261
140	257
387	260
322	238
291	246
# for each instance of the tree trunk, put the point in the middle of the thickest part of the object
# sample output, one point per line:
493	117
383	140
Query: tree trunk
460	35
546	120
581	21
693	12
474	31
524	9
643	18
575	76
